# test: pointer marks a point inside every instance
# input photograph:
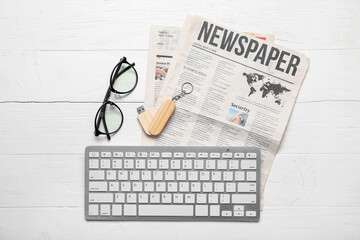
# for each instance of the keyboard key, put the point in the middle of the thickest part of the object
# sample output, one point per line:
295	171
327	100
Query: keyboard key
101	197
207	187
105	209
158	175
201	198
214	210
222	164
145	175
175	164
118	154
239	155
131	198
164	164
216	176
239	176
166	198
201	210
234	164
193	176
120	197
199	164
181	175
226	155
122	175
134	175
166	154
93	210
143	197
224	198
251	176
226	213
190	198
105	163
166	210
215	155
195	187
239	208
155	198
152	164
230	187
238	213
116	210
106	154
125	186
114	186
94	154
251	155
203	155
251	213
169	175
246	187
137	186
248	164
93	163
130	210
140	164
172	186
160	187
184	187
142	154
96	174
130	154
111	175
187	164
190	155
213	198
129	163
154	154
149	187
116	163
178	155
210	164
98	186
178	198
244	198
204	175
219	187
228	176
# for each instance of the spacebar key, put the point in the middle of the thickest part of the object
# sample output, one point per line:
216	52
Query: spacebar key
166	210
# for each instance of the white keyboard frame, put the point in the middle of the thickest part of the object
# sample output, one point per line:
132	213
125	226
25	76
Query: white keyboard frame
148	149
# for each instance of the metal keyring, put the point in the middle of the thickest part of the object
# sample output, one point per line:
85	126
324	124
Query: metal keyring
183	89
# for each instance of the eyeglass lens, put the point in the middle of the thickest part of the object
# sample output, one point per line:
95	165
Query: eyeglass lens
127	79
113	119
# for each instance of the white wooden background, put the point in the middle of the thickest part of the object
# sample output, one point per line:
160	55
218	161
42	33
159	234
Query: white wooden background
55	61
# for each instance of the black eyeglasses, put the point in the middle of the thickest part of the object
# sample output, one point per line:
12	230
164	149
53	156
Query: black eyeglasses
123	80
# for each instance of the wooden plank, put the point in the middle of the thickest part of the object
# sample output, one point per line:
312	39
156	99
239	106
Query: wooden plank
66	128
84	75
275	223
114	25
297	180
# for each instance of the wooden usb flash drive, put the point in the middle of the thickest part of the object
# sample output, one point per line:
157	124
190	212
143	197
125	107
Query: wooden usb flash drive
153	125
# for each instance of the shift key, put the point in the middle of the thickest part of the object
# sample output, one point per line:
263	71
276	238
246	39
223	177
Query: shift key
101	197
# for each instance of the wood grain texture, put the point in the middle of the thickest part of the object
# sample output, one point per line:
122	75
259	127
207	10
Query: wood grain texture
55	62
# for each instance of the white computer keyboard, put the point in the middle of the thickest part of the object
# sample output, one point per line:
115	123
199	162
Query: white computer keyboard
172	183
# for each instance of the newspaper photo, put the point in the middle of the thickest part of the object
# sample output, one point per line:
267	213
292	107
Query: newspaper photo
244	90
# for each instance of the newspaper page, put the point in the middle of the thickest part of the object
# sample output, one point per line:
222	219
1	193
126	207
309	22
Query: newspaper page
244	90
162	45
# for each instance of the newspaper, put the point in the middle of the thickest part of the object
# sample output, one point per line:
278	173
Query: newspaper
244	90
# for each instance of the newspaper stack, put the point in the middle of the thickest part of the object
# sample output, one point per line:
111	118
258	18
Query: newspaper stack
245	87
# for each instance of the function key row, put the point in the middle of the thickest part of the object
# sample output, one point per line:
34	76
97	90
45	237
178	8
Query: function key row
186	164
224	155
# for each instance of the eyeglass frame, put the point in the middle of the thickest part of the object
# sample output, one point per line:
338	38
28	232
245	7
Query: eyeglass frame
115	74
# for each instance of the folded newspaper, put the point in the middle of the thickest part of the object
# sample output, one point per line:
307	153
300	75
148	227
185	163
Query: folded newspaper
244	89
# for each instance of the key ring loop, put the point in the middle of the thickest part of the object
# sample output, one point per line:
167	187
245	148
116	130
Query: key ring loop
187	84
